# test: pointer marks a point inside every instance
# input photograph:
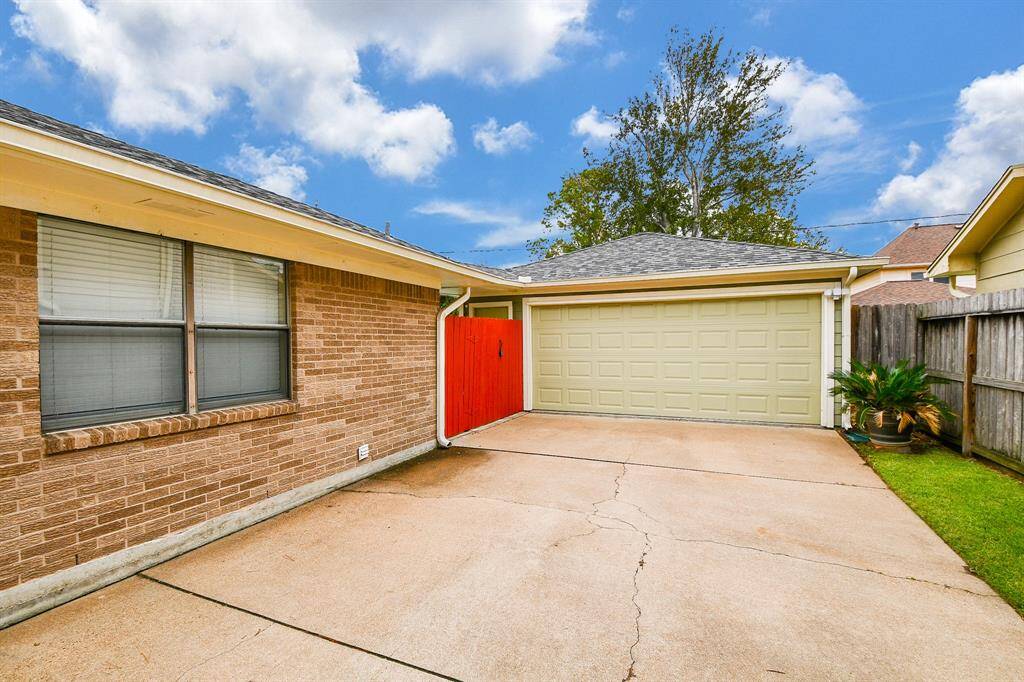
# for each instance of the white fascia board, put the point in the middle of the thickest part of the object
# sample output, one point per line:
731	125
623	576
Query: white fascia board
49	145
740	291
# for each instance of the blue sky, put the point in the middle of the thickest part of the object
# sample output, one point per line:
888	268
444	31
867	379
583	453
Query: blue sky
454	120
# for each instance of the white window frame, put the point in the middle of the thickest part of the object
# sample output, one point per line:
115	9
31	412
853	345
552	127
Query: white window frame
189	327
491	304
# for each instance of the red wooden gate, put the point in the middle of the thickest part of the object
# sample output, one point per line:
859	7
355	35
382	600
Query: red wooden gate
483	371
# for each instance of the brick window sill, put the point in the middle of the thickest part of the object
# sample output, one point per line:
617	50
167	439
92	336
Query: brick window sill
95	436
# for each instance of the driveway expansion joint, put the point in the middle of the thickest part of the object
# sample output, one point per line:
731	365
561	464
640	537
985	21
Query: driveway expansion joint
291	626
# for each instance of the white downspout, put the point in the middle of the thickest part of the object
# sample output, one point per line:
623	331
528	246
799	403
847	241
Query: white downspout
847	332
441	315
953	290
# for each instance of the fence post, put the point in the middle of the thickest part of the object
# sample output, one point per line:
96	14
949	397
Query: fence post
970	363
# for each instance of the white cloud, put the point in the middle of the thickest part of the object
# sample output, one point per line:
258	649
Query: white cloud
913	154
626	12
37	65
987	136
594	127
494	139
820	107
278	171
762	16
613	59
176	66
507	228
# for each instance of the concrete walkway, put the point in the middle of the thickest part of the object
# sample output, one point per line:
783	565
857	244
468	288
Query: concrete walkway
552	547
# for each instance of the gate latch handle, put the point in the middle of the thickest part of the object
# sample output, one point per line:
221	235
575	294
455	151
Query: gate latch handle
501	351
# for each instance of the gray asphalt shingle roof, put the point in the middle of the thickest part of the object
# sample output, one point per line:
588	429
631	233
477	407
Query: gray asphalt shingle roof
639	254
31	119
649	253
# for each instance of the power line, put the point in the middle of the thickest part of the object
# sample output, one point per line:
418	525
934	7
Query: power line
812	227
887	220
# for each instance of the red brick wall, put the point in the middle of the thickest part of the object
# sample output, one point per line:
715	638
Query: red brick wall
363	372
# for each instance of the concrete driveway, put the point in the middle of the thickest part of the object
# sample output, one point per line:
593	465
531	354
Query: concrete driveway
552	547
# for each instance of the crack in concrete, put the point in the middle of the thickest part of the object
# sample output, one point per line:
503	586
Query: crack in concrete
631	671
823	562
225	652
597	514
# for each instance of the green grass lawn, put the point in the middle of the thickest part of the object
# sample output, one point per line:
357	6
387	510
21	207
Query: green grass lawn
978	511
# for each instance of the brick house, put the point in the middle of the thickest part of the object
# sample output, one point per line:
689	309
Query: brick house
185	353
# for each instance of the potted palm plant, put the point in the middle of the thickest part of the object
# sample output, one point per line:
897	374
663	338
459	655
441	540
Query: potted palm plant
888	402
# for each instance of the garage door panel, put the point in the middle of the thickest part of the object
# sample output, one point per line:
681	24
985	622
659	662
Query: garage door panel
794	339
579	368
752	308
578	397
753	371
756	359
755	406
642	341
611	399
643	399
547	369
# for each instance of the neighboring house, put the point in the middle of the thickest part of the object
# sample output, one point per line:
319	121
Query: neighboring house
184	354
903	279
990	246
661	325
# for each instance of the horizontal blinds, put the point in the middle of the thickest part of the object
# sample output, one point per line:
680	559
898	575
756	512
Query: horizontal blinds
95	375
235	366
238	288
100	273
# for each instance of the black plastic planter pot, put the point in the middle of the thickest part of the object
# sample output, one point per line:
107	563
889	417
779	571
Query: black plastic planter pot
888	434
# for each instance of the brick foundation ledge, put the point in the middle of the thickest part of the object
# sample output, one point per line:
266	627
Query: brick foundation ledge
94	436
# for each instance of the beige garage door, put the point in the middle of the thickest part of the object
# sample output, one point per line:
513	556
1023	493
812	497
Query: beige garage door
756	359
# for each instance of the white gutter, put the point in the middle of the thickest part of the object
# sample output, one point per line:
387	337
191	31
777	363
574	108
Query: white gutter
452	307
852	276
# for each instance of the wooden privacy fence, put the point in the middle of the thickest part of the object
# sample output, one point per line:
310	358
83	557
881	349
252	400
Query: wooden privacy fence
977	344
483	371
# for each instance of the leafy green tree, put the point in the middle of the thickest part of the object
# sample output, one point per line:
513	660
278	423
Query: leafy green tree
701	153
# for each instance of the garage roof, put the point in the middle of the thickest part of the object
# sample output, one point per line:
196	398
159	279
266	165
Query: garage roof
656	252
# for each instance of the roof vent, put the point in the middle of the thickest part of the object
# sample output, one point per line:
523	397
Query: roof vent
387	230
524	278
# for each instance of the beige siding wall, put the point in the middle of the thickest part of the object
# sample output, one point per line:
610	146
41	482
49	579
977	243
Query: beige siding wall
1001	262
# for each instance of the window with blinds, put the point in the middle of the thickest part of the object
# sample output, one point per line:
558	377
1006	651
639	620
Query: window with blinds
117	310
241	328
